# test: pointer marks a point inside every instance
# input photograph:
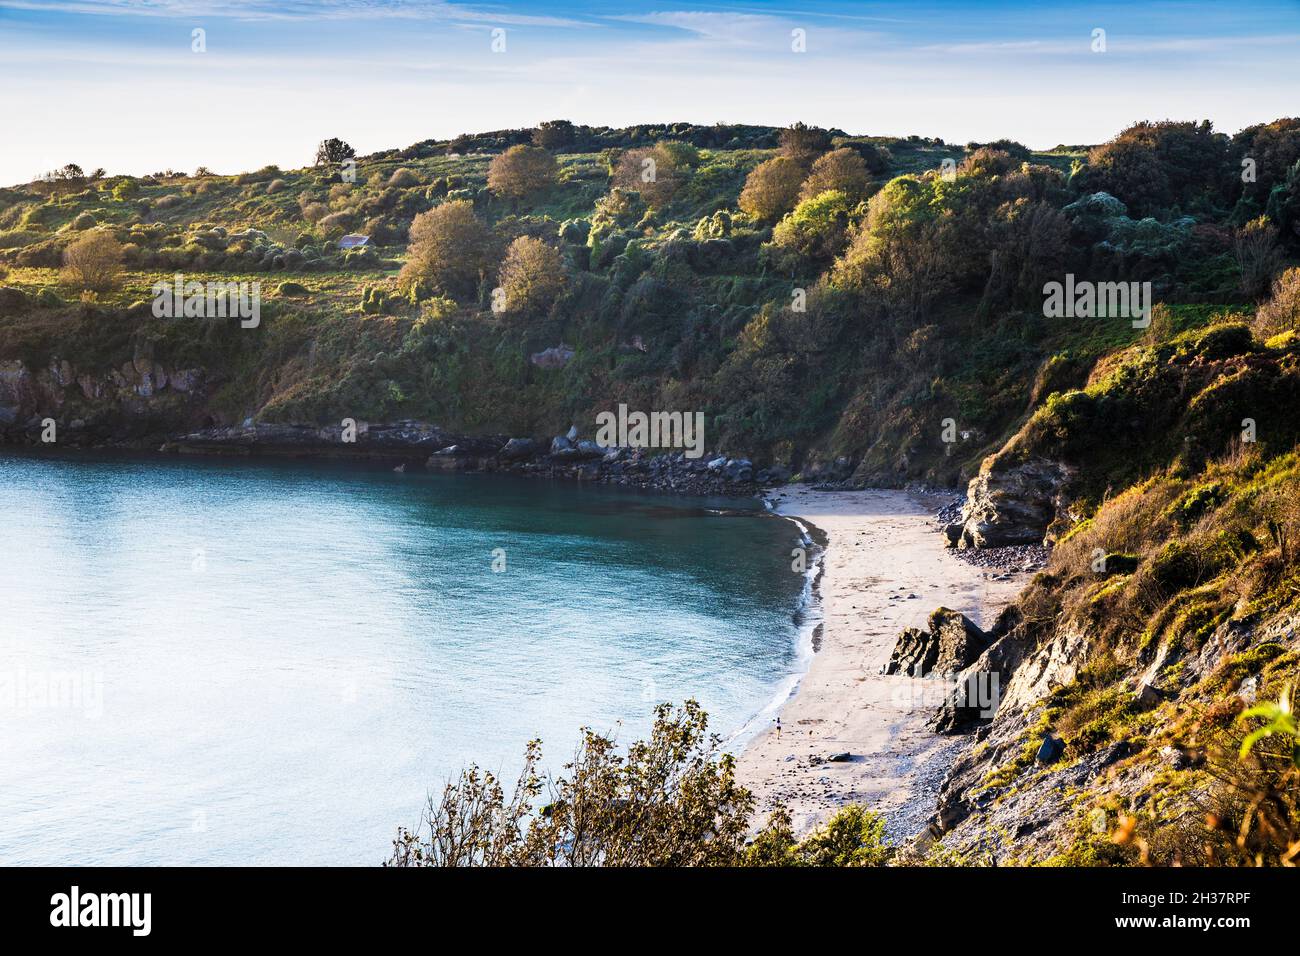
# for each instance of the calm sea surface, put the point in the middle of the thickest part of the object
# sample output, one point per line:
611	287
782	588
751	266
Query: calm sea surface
214	662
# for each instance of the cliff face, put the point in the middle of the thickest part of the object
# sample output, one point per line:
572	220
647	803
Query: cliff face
1165	611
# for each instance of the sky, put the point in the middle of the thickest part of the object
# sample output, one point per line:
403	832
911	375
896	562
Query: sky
119	84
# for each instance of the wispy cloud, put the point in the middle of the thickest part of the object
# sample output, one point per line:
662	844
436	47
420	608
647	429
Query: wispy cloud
295	10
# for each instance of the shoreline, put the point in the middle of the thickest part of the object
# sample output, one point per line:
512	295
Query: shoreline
883	567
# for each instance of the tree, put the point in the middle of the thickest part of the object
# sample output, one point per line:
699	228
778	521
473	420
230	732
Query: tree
841	169
1155	166
772	188
93	262
532	275
815	233
554	134
521	171
655	172
905	249
1258	256
333	151
448	250
65	179
804	143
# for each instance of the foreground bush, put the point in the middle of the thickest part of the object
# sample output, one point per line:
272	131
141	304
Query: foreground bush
672	800
669	802
93	262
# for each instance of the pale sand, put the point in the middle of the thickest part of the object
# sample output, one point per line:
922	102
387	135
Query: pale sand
882	548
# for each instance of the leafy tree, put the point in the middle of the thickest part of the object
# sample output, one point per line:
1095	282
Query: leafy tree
772	188
449	249
1155	166
655	173
93	262
532	275
815	233
521	171
843	170
1273	148
554	134
905	248
804	143
333	151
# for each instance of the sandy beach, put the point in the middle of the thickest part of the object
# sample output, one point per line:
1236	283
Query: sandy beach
885	568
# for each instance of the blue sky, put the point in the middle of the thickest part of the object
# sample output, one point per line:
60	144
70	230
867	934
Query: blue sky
115	83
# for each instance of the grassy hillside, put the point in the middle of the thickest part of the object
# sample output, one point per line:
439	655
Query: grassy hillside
864	309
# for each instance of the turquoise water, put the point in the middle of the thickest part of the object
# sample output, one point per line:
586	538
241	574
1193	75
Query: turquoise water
211	662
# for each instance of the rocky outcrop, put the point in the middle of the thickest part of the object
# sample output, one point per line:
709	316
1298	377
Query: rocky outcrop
950	644
1010	505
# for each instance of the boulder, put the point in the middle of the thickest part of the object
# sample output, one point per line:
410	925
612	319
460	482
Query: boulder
951	643
1011	506
1050	750
517	449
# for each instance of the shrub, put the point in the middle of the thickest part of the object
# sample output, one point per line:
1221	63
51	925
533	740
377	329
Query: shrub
403	179
1281	313
1153	166
275	186
843	170
521	171
532	275
1258	256
815	233
855	836
671	800
988	162
803	143
83	221
449	249
772	188
93	262
653	173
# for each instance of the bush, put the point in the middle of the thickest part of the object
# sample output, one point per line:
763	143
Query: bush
93	262
403	179
672	800
449	249
532	275
521	171
1281	313
653	173
772	188
803	143
83	221
275	186
843	170
815	233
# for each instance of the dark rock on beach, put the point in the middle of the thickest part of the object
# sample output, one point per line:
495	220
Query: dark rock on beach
950	644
